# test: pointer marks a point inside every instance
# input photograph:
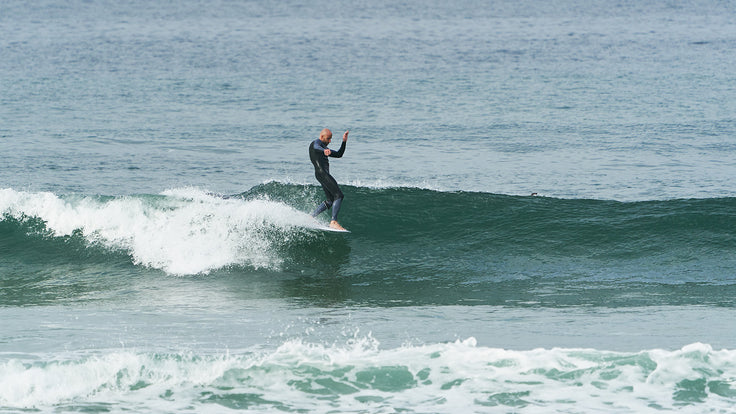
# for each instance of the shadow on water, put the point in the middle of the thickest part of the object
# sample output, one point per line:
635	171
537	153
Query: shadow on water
315	253
333	280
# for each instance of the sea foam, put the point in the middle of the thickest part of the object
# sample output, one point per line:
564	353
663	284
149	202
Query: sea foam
181	231
359	376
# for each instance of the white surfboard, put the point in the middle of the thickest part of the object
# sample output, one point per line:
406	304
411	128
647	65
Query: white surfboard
321	227
328	228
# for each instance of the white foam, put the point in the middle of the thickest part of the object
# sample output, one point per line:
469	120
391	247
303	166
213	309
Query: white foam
185	231
359	376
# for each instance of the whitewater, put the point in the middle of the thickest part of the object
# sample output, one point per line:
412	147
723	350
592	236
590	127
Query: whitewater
441	378
187	232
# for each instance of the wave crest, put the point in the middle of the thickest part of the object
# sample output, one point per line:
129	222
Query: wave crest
180	232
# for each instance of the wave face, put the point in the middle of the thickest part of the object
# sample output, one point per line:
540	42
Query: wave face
360	377
488	248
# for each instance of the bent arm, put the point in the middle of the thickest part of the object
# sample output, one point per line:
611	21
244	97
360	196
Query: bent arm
338	153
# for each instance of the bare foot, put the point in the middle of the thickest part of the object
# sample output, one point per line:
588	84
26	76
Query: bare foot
335	225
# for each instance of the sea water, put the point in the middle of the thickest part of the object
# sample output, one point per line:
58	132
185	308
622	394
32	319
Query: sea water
157	256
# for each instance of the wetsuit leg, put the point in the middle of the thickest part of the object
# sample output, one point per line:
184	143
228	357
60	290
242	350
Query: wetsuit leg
322	207
336	208
332	190
333	194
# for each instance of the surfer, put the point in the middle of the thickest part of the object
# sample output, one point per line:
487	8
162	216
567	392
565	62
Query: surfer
318	153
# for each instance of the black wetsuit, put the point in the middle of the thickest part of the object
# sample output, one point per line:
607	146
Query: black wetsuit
322	173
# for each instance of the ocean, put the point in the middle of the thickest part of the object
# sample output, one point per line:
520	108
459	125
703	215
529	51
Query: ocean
540	197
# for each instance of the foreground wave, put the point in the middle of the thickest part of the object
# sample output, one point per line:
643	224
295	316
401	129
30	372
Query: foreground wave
360	377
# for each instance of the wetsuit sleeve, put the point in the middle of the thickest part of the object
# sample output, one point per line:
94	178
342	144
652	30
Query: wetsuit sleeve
338	153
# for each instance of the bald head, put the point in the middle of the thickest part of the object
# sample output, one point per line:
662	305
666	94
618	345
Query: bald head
325	136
